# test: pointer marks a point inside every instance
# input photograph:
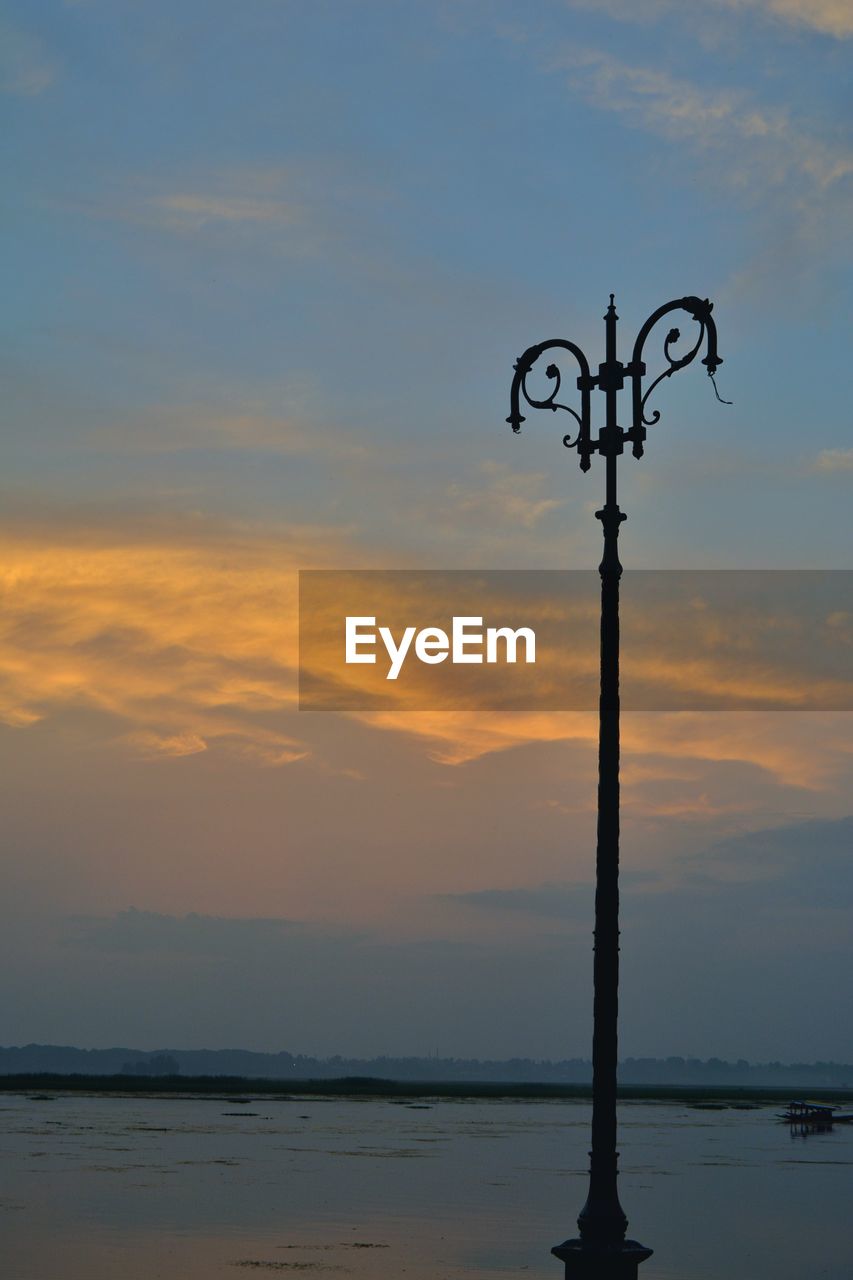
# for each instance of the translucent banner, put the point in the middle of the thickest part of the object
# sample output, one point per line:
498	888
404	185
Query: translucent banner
528	640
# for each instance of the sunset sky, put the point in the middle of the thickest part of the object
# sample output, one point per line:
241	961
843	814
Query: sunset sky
269	266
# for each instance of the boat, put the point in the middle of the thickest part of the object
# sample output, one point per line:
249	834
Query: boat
815	1114
809	1113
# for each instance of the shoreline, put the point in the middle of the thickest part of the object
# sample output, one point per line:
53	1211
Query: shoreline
216	1087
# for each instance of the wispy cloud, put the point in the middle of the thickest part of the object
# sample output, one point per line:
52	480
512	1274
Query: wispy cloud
808	751
25	68
503	496
167	744
829	17
727	122
798	178
834	460
194	210
240	208
782	846
243	427
804	865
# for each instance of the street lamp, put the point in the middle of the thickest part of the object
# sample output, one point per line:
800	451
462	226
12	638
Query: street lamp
601	1252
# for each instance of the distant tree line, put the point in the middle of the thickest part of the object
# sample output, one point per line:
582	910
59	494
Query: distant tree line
67	1060
159	1064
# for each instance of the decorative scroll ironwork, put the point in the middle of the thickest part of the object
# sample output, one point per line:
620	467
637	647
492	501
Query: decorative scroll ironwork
674	366
699	310
523	367
611	375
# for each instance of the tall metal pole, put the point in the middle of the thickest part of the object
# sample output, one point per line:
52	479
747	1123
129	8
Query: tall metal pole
601	1218
601	1252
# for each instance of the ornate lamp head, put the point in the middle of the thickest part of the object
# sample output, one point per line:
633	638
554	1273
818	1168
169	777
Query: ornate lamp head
610	378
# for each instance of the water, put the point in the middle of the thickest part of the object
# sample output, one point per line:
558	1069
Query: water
95	1188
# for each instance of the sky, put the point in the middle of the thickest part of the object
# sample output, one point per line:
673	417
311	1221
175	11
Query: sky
268	269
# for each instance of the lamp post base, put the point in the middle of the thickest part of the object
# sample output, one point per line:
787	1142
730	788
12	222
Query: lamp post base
584	1262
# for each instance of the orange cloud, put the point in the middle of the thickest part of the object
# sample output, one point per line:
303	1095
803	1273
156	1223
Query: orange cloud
185	642
188	640
807	750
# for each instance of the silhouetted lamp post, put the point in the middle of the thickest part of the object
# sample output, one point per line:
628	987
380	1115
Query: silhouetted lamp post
601	1252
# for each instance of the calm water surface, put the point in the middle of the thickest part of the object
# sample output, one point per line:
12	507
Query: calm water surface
95	1188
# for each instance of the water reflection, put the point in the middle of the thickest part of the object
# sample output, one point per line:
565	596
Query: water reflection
809	1128
186	1189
